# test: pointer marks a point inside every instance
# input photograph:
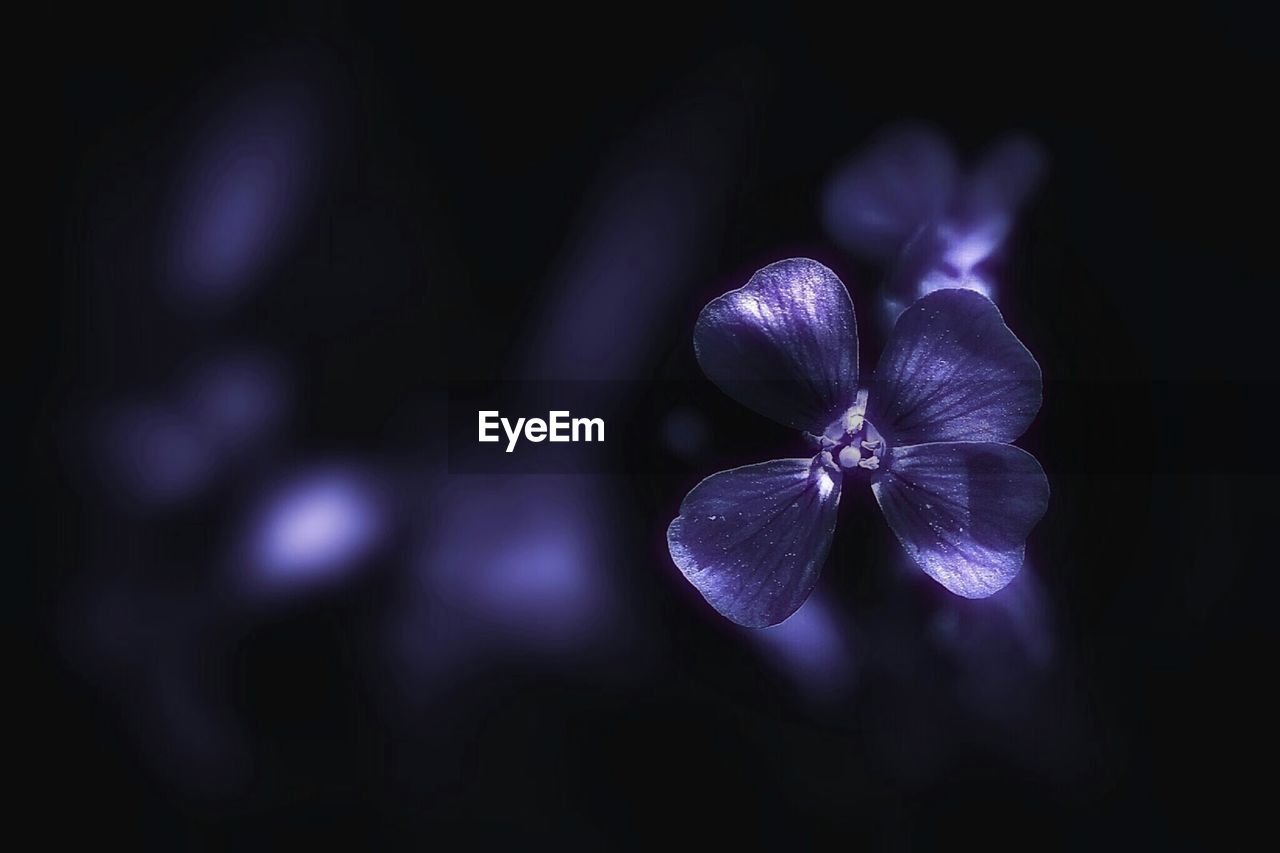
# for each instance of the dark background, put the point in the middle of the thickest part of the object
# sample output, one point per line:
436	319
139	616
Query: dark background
1142	277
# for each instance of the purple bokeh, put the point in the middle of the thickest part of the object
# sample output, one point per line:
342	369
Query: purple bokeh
241	191
904	202
313	529
237	397
1001	649
903	178
813	649
659	197
524	558
170	448
152	455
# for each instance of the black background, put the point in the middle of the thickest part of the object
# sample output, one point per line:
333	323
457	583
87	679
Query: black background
1147	292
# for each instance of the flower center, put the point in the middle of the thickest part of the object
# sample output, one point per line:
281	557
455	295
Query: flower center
852	441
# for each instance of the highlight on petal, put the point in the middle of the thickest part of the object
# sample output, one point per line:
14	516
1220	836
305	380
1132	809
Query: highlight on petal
963	510
953	371
785	344
753	540
880	198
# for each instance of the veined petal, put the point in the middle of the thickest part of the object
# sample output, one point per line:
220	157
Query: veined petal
963	510
753	540
785	344
952	371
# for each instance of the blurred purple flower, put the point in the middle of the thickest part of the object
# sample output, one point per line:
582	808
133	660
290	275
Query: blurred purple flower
904	201
537	578
813	648
954	386
877	200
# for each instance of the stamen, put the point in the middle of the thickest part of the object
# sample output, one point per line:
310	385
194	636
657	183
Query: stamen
857	413
852	440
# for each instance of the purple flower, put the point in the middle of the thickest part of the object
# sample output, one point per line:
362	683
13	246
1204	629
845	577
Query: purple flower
930	434
906	201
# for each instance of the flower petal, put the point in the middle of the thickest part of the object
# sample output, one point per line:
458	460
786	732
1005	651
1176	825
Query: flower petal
963	510
952	371
785	344
753	540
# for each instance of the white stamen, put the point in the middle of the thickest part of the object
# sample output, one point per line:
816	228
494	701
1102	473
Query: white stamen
857	413
871	463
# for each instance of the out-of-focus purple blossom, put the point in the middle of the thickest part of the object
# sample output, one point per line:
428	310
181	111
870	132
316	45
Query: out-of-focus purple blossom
240	193
236	398
312	530
524	571
525	559
167	451
1003	181
953	671
642	233
933	261
813	648
904	202
931	434
1013	626
152	455
527	566
879	199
